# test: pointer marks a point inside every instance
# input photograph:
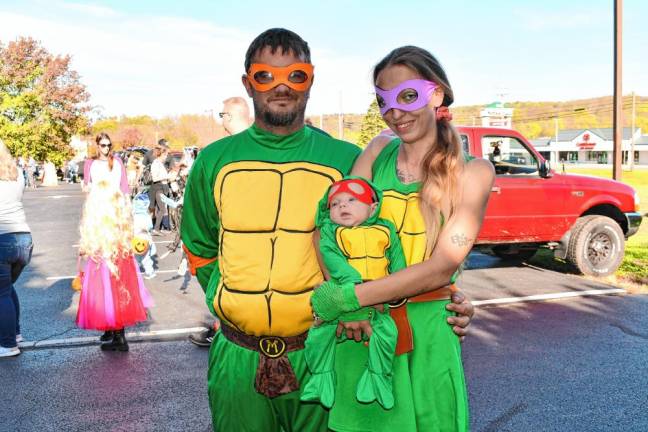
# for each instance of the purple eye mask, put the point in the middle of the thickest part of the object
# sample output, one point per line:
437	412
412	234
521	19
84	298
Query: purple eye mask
423	87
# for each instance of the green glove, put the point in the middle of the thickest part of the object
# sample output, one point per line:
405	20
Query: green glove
330	300
362	314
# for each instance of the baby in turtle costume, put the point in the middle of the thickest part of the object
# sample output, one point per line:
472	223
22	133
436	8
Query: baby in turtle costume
356	245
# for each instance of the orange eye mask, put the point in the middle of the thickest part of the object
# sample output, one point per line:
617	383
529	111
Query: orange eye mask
297	76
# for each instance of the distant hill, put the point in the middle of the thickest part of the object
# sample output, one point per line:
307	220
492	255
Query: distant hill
532	119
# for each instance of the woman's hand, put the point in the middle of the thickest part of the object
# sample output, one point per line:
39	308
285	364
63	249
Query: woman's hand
464	310
354	329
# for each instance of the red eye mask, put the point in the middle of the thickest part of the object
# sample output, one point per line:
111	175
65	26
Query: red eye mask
356	187
297	76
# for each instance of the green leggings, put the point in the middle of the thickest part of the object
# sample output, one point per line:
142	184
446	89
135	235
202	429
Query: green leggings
236	406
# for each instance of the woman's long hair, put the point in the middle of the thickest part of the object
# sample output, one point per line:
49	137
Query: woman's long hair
107	225
8	168
442	164
100	136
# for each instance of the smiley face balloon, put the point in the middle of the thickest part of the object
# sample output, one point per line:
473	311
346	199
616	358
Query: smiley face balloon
140	245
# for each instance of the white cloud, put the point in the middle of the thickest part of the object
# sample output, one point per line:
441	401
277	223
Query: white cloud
143	65
161	65
89	9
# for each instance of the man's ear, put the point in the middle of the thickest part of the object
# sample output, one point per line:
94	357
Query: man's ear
246	84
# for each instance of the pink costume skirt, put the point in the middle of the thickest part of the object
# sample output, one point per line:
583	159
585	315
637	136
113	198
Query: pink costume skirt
110	302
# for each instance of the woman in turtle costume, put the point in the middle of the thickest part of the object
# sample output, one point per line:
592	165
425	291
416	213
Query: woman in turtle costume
436	199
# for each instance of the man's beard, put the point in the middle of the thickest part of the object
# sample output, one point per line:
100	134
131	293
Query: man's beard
280	119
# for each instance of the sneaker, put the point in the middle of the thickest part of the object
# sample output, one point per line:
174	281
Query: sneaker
182	268
156	233
203	339
9	352
19	338
150	276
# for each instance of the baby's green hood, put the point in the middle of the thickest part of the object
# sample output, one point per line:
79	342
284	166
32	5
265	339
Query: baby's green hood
323	213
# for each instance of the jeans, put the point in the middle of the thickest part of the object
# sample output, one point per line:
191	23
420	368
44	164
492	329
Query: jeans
15	254
146	261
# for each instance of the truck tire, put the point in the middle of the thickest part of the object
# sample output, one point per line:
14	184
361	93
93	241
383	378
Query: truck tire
596	246
512	253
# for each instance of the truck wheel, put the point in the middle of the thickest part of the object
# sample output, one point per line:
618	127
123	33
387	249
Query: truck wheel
596	246
511	253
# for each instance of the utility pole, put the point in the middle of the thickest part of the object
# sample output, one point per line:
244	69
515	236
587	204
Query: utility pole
618	94
556	125
632	133
341	120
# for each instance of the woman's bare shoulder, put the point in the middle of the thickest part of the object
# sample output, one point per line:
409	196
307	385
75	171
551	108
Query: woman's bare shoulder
364	163
480	168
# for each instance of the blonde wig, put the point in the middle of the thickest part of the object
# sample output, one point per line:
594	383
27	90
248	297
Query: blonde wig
8	168
444	161
106	225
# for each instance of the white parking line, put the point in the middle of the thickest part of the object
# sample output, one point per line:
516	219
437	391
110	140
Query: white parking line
52	278
131	336
551	296
156	242
170	333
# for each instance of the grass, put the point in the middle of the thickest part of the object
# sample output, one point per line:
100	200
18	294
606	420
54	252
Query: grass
633	272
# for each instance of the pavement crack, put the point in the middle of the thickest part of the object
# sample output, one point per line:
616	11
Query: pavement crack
53	336
629	331
499	422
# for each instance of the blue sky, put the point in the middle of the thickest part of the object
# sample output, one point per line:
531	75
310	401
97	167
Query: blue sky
169	57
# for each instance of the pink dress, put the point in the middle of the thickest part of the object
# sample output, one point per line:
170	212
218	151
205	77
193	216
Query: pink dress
109	302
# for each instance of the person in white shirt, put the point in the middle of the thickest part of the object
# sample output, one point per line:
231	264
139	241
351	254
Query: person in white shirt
160	186
15	250
104	166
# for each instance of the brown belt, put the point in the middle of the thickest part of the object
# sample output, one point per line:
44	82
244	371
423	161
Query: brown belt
274	374
405	341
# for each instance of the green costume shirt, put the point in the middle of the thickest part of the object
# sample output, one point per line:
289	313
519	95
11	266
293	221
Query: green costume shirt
248	222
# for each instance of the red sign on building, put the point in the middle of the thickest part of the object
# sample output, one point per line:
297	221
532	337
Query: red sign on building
586	144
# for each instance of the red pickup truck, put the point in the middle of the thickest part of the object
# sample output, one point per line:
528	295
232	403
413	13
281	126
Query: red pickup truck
584	219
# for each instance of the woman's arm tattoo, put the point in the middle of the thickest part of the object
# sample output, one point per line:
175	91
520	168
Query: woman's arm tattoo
461	240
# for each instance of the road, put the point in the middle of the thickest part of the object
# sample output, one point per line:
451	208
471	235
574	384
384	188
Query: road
574	364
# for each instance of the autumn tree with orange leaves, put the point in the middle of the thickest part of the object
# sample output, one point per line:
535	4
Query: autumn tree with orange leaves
42	101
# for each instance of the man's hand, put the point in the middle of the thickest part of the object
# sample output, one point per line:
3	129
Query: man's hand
354	329
465	311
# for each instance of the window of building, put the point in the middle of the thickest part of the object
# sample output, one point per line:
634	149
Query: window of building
599	157
509	156
568	156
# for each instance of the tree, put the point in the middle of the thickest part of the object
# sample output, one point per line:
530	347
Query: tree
372	125
42	102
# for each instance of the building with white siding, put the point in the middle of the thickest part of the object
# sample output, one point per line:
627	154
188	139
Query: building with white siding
592	146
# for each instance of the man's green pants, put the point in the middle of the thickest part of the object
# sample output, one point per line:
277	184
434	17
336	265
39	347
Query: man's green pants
237	407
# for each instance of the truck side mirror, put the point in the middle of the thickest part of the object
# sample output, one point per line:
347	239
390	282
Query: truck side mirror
545	169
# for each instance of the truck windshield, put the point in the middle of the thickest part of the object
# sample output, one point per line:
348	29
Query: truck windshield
509	156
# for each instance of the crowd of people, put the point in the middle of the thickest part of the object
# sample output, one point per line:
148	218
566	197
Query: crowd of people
331	270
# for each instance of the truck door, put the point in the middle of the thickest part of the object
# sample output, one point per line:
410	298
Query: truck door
523	207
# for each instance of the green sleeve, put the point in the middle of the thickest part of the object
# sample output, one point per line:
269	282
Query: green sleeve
200	223
334	260
395	253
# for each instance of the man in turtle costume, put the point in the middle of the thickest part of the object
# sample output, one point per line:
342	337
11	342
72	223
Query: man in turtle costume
247	228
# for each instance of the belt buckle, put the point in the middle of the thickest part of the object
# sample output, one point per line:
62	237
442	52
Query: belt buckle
272	346
397	303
